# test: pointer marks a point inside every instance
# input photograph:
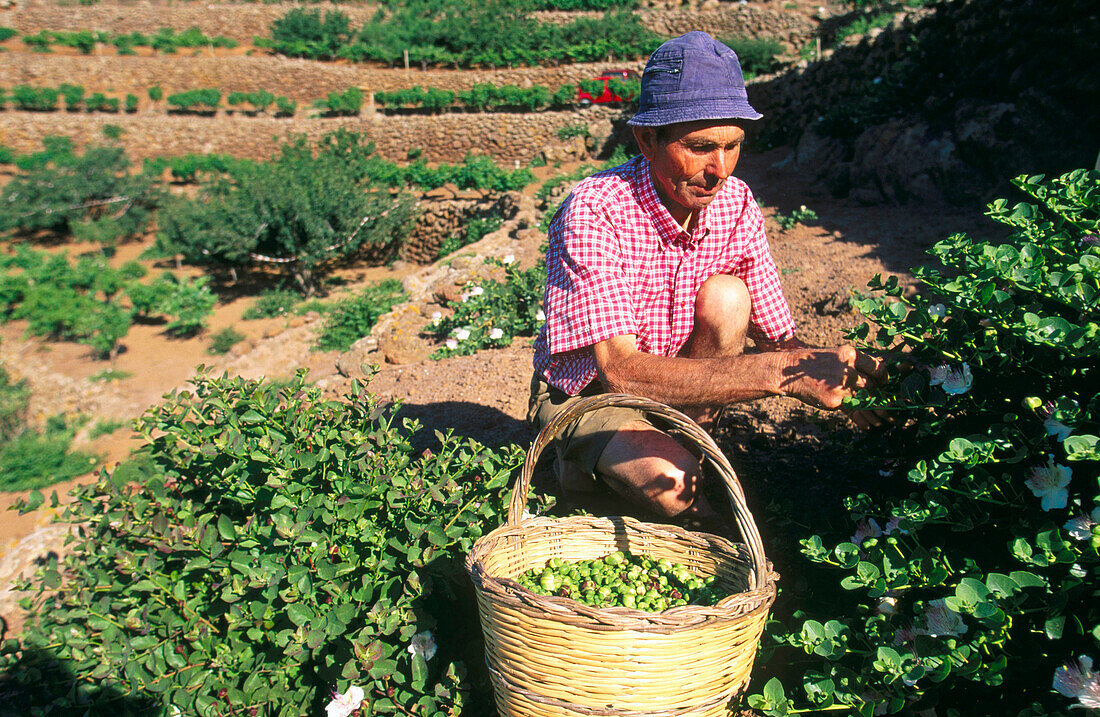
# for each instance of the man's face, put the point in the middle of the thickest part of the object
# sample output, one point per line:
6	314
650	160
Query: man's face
690	161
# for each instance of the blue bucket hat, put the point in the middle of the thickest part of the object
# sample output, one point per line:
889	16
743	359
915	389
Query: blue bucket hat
692	77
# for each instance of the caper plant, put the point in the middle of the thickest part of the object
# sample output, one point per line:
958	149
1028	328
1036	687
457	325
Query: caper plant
265	550
969	583
490	313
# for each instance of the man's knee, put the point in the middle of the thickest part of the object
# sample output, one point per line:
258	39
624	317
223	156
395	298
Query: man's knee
723	299
652	468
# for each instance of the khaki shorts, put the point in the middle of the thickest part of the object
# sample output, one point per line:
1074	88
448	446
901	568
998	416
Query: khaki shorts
579	447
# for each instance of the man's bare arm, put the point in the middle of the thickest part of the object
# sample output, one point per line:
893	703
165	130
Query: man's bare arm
819	377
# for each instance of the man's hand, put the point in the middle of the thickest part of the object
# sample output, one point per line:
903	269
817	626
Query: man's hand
825	377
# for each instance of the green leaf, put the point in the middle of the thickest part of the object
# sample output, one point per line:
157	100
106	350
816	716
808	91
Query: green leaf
226	528
298	613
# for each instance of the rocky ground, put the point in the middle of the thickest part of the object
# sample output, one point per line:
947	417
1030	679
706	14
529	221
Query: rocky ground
776	444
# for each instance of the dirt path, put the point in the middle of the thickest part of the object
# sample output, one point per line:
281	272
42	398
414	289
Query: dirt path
482	396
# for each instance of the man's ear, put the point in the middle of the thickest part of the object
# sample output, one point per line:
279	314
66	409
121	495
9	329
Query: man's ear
646	137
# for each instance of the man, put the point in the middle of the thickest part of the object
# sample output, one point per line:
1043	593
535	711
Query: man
658	270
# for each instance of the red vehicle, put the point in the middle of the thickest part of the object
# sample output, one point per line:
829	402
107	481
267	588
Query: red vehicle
588	92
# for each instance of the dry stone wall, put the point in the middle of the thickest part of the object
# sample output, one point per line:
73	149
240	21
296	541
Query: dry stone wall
243	21
514	138
444	214
301	80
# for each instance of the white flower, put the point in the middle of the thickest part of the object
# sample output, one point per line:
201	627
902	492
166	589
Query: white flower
1059	430
343	705
937	311
462	334
477	291
508	259
495	334
436	318
952	381
422	644
941	621
1077	571
540	316
866	528
452	344
887	606
1049	484
1080	527
1079	681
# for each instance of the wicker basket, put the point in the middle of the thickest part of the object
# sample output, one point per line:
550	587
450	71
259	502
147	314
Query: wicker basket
552	656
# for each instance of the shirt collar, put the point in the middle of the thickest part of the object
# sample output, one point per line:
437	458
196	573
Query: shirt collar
669	230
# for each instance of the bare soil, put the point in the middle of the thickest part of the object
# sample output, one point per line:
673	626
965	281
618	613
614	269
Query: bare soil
780	448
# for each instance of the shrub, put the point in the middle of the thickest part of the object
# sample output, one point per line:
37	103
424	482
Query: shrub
492	313
7	33
187	302
39	42
570	131
104	428
198	100
285	107
474	230
59	189
270	546
970	583
99	102
757	55
72	95
341	104
14	397
798	216
224	340
303	33
35	99
33	460
156	93
131	103
273	303
352	319
308	207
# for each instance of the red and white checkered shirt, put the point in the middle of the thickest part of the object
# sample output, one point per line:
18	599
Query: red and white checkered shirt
619	264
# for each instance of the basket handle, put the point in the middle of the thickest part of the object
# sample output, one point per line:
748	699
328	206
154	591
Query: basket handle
550	431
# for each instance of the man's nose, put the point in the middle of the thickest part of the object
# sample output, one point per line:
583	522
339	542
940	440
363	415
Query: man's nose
721	163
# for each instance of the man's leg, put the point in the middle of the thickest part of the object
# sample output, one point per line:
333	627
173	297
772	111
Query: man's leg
647	465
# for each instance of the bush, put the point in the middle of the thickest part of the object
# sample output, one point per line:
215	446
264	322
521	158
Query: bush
35	99
198	100
131	103
224	340
303	33
352	319
970	584
492	313
304	209
342	104
186	302
285	107
59	189
14	397
99	102
273	303
271	547
474	230
33	460
497	33
757	55
73	96
7	33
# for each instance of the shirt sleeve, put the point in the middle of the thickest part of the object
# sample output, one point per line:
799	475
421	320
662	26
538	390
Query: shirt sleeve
771	317
588	298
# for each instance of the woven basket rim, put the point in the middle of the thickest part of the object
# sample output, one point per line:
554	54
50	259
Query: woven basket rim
509	592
